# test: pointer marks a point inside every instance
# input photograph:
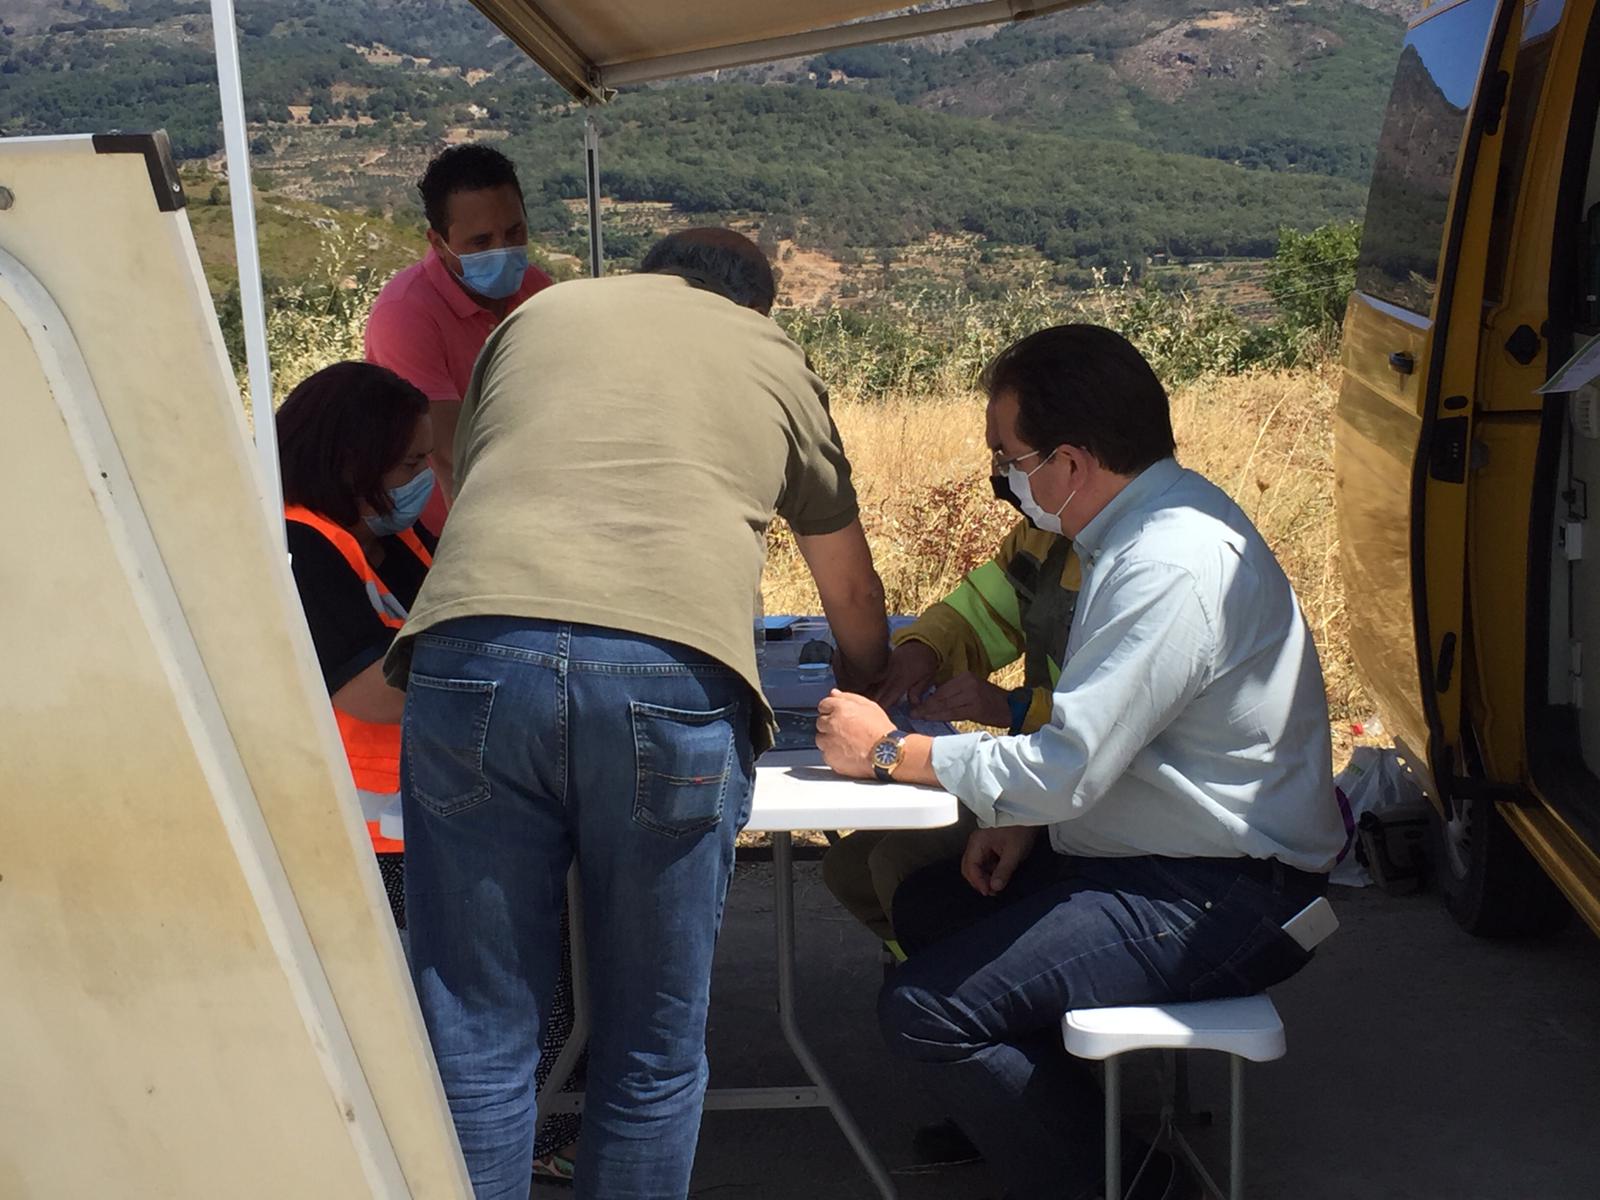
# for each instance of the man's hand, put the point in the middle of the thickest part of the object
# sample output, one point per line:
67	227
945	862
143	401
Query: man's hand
967	697
847	728
912	667
993	856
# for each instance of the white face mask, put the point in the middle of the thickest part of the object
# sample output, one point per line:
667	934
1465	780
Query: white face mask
1018	478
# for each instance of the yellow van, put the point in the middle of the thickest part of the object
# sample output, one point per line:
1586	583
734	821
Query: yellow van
1463	492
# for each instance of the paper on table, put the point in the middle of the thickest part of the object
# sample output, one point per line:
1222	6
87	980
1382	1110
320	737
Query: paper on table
1583	367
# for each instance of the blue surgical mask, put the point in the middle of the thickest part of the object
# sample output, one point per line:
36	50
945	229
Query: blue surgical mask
409	499
494	273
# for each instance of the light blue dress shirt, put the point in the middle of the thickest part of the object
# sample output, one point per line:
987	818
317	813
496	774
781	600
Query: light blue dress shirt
1190	717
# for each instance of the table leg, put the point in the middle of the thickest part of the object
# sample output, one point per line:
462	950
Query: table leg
578	1039
1113	1090
783	913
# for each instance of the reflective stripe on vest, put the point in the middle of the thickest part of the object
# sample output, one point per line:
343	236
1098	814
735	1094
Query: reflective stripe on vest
372	747
390	611
984	595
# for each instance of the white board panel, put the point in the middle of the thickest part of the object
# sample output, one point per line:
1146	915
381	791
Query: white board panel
201	987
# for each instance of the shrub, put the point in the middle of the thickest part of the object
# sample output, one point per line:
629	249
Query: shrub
311	322
1311	277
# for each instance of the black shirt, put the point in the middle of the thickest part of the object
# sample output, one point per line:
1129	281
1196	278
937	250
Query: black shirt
346	631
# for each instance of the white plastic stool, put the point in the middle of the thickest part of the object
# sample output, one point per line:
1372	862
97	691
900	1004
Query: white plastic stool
1247	1027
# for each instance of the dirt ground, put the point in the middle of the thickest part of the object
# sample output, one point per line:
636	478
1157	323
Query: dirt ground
1423	1064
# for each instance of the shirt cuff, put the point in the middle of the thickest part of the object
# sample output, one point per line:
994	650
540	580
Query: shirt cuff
959	769
1040	709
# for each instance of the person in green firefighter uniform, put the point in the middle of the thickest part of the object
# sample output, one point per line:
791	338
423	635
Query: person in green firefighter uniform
1019	604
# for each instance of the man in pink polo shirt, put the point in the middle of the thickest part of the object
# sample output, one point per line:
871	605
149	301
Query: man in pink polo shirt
431	319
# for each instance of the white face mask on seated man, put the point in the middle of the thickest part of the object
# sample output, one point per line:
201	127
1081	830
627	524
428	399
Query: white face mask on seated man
1023	490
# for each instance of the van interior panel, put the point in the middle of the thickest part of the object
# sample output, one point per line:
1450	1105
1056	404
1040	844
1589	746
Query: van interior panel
1583	495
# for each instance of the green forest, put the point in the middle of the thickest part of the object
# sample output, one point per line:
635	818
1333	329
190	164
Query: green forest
1099	137
857	170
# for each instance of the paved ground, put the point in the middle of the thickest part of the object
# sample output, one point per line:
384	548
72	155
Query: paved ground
1423	1064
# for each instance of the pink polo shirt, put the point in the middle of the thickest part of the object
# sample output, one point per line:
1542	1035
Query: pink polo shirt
428	331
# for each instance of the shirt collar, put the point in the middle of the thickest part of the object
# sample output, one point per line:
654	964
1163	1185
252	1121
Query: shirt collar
1131	500
696	279
449	287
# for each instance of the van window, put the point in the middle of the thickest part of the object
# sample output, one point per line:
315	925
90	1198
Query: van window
1417	152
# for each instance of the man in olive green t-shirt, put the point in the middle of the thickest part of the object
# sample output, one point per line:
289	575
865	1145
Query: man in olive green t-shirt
581	679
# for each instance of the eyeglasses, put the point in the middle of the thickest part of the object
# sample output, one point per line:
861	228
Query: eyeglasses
998	463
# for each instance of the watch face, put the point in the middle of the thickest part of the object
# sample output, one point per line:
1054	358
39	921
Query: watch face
885	754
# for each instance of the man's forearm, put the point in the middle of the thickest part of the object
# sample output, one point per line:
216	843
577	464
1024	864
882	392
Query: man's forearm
444	476
852	599
861	632
445	414
917	764
369	697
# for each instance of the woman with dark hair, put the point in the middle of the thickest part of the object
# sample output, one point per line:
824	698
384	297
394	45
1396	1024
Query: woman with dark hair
353	446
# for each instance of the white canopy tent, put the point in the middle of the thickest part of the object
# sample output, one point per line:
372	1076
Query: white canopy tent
591	48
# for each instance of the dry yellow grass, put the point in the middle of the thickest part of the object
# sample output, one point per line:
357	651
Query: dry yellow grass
1265	438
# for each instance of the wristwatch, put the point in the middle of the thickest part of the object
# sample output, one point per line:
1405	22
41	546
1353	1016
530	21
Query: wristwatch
887	753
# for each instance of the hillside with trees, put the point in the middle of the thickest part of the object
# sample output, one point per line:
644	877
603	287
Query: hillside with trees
1123	132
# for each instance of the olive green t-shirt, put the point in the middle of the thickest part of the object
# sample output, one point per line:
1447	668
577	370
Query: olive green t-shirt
621	450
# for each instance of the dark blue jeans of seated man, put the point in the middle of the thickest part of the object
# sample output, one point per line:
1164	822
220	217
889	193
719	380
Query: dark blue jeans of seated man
980	1000
526	743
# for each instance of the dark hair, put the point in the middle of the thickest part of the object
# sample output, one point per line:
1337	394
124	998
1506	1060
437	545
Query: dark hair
340	432
465	168
1083	385
726	262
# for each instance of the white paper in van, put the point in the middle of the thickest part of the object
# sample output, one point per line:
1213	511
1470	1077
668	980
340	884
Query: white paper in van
1583	367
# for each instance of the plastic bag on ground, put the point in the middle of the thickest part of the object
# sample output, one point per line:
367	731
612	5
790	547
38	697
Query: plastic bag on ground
1379	781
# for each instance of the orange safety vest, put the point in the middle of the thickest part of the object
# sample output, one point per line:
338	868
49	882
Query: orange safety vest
373	747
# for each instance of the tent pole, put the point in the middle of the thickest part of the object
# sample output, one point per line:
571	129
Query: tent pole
591	156
235	136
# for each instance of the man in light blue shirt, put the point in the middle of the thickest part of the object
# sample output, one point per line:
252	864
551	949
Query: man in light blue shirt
1185	776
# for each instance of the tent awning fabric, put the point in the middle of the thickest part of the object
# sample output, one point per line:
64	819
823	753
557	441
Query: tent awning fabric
591	47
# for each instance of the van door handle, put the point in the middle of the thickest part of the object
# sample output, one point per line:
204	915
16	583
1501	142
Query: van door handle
1402	362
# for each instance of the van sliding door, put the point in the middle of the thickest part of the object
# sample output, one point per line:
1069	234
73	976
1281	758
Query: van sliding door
1404	422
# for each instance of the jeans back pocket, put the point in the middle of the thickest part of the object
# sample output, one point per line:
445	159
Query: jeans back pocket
445	727
683	760
1247	945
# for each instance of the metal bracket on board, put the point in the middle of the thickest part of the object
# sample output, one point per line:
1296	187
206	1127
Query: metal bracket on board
157	152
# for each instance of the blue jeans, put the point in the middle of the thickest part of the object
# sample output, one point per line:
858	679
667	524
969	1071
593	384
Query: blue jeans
526	743
981	997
